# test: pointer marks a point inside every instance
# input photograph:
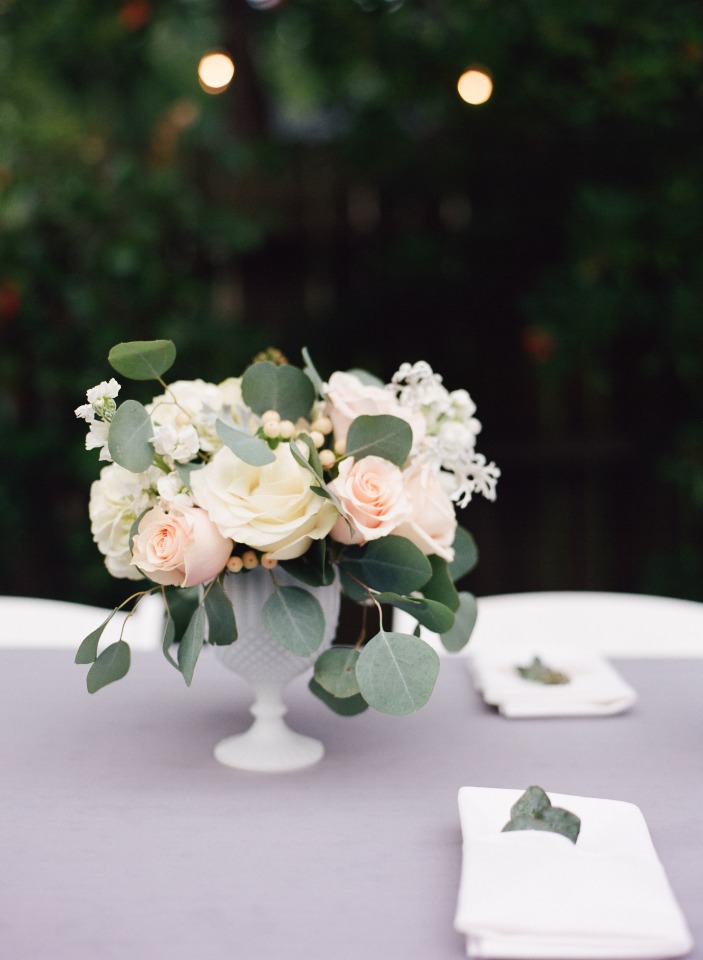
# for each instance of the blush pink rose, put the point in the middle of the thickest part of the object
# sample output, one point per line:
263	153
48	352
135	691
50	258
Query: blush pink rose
182	548
373	496
432	523
349	398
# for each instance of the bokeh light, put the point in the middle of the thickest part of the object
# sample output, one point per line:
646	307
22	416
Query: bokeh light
215	72
475	86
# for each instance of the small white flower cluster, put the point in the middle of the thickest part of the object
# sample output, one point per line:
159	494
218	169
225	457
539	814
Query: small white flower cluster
451	430
98	412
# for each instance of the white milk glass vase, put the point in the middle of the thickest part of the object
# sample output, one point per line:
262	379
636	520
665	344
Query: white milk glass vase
269	744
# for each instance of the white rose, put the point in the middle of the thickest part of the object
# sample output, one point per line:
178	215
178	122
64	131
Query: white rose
117	498
270	508
432	523
349	398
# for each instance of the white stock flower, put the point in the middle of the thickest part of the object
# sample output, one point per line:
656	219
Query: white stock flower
178	443
190	402
451	430
117	498
97	439
173	491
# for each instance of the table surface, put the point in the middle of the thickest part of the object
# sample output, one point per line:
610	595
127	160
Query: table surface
123	838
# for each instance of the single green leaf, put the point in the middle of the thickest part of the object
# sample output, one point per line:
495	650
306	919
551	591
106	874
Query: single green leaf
313	567
168	639
252	450
129	437
532	803
392	564
295	619
143	359
312	465
430	613
344	706
534	811
380	436
352	589
184	470
464	622
539	672
335	671
440	587
465	554
222	627
88	650
191	644
182	603
311	372
286	389
111	665
397	673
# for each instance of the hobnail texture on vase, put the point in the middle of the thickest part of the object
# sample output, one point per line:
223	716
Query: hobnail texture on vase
255	655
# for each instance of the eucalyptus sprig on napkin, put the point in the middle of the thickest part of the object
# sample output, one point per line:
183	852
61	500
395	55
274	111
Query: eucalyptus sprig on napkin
534	811
540	672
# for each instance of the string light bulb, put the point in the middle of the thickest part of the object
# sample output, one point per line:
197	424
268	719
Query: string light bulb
475	86
215	72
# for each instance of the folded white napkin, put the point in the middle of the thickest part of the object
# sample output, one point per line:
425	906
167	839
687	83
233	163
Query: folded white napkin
531	894
594	687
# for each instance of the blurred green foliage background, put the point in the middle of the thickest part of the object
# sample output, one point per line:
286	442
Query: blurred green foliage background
543	250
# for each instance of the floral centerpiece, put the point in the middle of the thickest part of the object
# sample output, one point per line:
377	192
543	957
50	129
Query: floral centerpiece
347	480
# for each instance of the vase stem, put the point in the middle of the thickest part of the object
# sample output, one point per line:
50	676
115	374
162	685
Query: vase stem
269	744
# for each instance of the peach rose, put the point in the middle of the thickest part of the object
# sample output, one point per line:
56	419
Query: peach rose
349	398
182	547
373	496
432	523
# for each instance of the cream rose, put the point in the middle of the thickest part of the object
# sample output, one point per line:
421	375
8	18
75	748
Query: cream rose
182	548
270	508
349	398
373	496
432	523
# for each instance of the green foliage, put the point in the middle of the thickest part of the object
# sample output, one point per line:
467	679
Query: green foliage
252	450
465	618
143	359
111	665
222	628
344	706
129	438
294	618
286	389
397	673
389	565
335	671
380	436
534	811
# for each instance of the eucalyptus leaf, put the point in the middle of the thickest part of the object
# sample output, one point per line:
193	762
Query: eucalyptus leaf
310	371
534	811
184	470
440	587
352	589
430	613
313	567
380	436
221	625
192	643
111	665
464	622
168	639
295	619
129	437
335	671
344	706
252	450
465	554
539	672
391	564
368	379
285	389
312	465
397	673
88	650
142	359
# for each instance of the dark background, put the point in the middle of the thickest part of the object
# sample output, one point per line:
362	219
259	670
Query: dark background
542	250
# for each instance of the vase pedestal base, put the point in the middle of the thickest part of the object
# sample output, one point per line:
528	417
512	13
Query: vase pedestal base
269	745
